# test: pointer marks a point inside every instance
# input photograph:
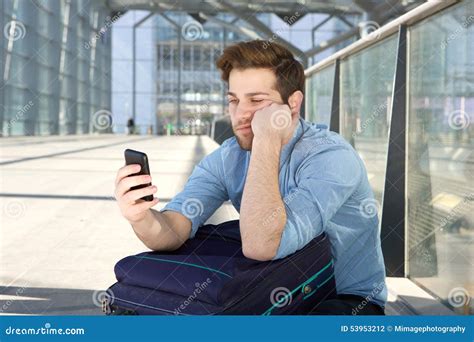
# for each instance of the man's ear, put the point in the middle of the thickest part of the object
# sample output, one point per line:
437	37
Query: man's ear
295	101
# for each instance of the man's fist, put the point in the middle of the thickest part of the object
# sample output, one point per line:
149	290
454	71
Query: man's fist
132	207
274	122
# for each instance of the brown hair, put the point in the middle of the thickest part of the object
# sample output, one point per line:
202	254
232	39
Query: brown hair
264	54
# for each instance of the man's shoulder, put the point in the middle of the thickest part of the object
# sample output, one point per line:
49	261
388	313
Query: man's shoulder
317	138
225	151
324	151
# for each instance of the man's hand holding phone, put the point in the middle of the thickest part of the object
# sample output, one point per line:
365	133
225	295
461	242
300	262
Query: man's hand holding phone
130	201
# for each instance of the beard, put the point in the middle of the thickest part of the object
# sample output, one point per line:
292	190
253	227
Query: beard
244	139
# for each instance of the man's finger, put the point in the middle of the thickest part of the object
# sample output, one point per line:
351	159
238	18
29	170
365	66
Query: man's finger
125	171
133	195
128	182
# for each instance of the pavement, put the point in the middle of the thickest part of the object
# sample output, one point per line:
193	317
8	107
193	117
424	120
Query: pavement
61	231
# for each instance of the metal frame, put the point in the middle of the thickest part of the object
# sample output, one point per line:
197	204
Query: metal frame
259	26
247	7
419	13
2	65
334	124
222	5
414	15
394	195
180	52
134	62
231	26
393	222
159	10
246	11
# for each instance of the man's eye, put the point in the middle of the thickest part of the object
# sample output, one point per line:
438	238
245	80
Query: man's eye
256	100
232	100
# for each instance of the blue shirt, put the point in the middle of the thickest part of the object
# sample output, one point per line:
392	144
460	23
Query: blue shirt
324	187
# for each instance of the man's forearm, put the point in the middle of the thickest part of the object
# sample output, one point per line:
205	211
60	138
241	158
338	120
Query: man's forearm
262	212
156	231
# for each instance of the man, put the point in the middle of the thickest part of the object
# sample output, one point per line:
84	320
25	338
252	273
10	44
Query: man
130	126
290	181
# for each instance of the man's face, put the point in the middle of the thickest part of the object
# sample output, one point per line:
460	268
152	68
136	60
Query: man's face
249	91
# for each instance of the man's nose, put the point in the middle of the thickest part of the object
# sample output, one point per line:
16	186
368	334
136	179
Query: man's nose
244	112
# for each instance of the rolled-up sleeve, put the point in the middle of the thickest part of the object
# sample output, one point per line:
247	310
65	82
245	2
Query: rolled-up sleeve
203	193
324	183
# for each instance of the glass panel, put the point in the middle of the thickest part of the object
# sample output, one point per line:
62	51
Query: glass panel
440	156
319	96
41	68
145	82
122	76
122	110
122	41
365	98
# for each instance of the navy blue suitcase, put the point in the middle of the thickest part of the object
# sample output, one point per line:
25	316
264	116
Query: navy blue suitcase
209	275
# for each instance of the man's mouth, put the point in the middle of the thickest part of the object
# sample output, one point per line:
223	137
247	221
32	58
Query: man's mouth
244	128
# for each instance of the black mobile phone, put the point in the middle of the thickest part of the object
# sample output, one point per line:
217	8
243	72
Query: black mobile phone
137	157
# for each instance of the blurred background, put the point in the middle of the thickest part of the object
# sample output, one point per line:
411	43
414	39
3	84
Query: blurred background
83	80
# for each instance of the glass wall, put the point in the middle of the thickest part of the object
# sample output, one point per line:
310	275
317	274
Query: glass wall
122	72
440	155
54	67
319	95
202	91
158	60
365	106
440	142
